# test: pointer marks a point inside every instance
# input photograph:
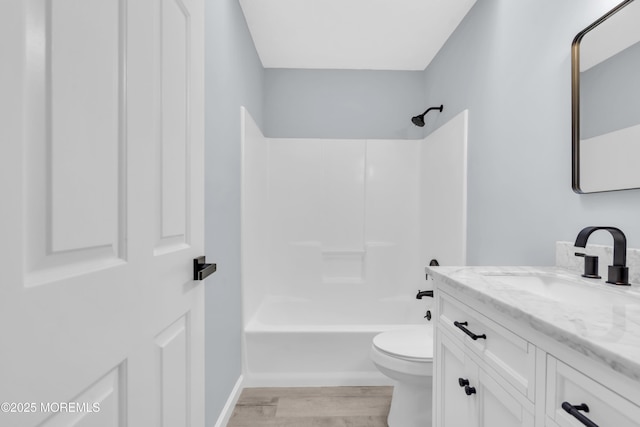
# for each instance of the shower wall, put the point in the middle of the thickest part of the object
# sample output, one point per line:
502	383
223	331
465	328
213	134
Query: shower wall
345	220
339	212
254	200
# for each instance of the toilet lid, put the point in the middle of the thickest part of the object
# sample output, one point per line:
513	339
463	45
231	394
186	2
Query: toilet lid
411	343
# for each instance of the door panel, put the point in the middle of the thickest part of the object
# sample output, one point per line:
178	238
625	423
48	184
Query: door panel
104	402
74	139
83	91
174	51
102	212
174	350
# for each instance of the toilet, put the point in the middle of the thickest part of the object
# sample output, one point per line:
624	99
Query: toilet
406	356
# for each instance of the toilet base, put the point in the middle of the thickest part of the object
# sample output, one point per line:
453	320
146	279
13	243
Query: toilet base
411	404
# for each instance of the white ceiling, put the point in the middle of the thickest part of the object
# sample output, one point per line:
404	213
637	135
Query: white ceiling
352	34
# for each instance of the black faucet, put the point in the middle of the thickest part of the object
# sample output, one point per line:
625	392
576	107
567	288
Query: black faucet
618	272
424	294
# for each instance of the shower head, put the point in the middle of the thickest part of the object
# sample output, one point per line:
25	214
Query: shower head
419	120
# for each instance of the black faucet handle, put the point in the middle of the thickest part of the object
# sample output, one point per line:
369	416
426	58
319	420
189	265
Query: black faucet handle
590	266
618	275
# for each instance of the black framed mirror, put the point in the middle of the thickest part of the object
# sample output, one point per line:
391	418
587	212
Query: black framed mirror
605	77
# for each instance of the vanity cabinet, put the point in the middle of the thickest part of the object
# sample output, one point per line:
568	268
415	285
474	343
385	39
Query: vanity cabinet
469	390
495	371
468	395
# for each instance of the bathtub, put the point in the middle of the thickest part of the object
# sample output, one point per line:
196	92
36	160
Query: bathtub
298	342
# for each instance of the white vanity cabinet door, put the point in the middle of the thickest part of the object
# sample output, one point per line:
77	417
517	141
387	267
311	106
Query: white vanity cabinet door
452	405
606	408
501	407
491	405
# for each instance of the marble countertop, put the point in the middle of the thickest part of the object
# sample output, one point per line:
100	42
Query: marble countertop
596	319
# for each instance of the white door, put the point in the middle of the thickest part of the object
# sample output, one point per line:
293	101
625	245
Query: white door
101	213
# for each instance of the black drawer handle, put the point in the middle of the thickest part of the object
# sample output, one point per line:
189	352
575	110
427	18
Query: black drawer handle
575	411
463	382
461	326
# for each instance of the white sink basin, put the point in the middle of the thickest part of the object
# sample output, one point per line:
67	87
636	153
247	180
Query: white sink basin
558	288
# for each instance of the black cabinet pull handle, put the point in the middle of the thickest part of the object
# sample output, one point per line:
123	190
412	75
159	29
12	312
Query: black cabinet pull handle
575	411
463	382
461	326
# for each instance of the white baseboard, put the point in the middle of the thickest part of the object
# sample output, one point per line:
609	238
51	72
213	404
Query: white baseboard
227	411
317	380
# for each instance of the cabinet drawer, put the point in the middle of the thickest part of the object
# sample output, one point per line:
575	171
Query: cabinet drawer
507	353
606	408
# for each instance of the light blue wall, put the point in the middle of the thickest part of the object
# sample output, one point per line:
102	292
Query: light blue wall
343	103
509	64
234	77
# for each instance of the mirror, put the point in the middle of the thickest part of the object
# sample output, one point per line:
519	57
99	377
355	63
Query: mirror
605	75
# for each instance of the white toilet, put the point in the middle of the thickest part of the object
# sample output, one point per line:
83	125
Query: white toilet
406	355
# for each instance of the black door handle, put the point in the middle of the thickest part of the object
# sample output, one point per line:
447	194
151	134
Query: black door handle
463	382
202	270
575	411
461	326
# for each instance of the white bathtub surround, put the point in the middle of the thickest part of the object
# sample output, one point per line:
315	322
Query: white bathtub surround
443	193
254	219
304	342
335	236
565	257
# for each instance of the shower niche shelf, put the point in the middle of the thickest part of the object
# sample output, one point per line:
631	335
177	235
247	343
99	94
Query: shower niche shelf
343	266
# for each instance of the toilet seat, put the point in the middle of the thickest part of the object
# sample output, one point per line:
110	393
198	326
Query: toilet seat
411	344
